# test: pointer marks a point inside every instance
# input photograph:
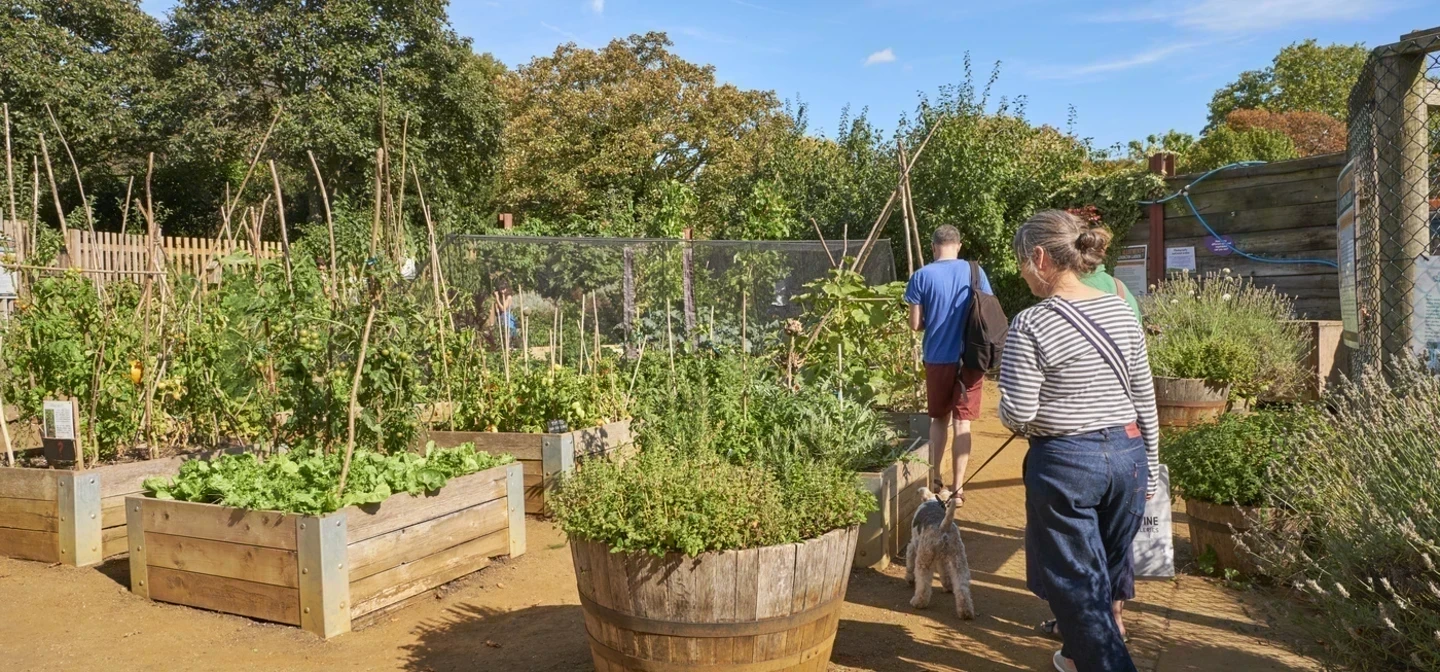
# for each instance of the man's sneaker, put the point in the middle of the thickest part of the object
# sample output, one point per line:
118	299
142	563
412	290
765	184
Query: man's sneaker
1063	664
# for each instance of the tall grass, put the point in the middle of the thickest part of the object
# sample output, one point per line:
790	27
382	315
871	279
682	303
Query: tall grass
1224	329
1356	532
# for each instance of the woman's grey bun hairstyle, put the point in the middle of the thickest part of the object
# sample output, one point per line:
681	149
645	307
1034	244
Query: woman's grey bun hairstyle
1073	244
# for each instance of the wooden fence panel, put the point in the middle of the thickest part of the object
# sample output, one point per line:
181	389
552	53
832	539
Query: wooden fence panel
1279	210
111	257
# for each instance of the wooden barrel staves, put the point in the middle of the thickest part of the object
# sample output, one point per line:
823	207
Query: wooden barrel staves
757	610
1184	402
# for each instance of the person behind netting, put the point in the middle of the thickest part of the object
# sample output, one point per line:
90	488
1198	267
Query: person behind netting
1075	379
499	312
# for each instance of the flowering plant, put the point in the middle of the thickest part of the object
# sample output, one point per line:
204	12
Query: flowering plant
1224	329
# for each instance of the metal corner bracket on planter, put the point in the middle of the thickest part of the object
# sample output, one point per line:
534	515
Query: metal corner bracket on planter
331	573
545	456
73	517
769	609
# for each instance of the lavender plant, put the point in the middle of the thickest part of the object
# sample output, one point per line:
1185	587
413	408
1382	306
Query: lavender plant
1355	530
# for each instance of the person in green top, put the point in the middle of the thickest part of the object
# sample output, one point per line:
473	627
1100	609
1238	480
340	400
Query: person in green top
1105	282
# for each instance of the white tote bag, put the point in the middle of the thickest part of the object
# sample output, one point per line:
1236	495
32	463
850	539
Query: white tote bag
1154	547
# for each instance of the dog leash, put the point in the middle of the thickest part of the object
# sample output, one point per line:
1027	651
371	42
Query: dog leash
987	462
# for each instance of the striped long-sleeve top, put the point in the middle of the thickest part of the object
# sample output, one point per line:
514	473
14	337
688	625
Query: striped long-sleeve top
1053	381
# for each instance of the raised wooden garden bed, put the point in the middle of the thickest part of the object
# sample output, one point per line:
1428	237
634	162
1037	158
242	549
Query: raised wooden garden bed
774	608
72	517
327	574
543	456
886	531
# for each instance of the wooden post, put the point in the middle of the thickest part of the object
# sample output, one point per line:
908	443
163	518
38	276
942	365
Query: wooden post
79	493
1403	165
1164	165
628	285
688	279
324	574
505	220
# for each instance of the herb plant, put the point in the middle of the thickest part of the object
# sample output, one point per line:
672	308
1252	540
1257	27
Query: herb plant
306	480
1233	461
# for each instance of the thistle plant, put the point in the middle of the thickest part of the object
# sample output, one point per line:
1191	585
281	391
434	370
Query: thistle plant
1354	529
1223	328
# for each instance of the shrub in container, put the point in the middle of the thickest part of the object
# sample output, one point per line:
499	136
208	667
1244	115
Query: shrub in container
1222	469
1218	341
1356	533
690	560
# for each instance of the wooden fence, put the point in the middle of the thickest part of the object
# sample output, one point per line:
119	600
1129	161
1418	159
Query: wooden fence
1283	210
113	256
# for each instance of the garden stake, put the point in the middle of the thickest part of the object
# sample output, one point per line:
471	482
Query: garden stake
670	341
329	221
595	306
379	200
5	426
34	203
284	235
10	188
905	211
79	183
55	193
864	252
125	211
823	244
240	192
580	361
354	394
635	372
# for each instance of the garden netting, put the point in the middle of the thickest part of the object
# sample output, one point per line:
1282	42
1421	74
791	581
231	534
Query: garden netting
637	287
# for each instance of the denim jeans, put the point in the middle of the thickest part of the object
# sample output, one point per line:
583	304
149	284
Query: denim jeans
1084	500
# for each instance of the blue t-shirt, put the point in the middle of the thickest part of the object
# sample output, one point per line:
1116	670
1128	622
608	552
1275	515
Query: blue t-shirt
942	290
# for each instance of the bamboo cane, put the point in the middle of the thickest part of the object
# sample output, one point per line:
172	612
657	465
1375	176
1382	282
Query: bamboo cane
580	359
125	211
670	340
595	307
34	204
914	218
823	244
284	235
55	192
240	193
9	187
635	373
4	425
894	194
329	220
379	201
79	183
354	406
905	211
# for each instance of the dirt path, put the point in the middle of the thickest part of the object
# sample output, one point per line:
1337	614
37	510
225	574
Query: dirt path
524	615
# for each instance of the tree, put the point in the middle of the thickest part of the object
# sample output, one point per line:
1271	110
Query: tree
1226	145
94	63
235	63
594	132
1304	77
1311	132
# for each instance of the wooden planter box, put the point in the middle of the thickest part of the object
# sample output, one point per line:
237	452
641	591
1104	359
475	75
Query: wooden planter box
766	609
886	531
327	574
72	517
543	456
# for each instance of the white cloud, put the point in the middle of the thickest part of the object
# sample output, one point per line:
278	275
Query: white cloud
886	55
1245	16
597	6
1116	64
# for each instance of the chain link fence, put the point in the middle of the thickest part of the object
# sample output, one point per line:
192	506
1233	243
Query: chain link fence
620	292
1389	205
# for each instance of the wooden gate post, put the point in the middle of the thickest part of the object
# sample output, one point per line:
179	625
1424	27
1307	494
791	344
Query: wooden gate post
1162	164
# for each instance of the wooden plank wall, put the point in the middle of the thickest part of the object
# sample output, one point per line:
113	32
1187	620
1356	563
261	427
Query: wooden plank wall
126	257
1284	210
29	515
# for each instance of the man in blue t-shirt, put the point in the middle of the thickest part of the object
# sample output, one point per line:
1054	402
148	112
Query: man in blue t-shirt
939	296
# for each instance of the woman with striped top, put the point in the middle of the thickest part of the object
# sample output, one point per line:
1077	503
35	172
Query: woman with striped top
1075	378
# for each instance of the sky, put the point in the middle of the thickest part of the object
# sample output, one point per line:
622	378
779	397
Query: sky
1129	68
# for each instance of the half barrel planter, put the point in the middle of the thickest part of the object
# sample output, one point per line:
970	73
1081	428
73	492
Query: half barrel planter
886	531
1186	402
73	517
769	609
327	574
544	457
1213	527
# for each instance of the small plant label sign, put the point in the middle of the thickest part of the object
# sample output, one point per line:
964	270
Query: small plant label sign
557	427
59	419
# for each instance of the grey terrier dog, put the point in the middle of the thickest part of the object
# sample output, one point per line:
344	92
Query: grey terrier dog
935	546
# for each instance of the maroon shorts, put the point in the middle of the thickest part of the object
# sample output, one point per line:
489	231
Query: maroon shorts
951	388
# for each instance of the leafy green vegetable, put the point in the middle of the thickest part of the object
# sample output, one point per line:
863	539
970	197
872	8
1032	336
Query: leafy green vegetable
1232	462
305	480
